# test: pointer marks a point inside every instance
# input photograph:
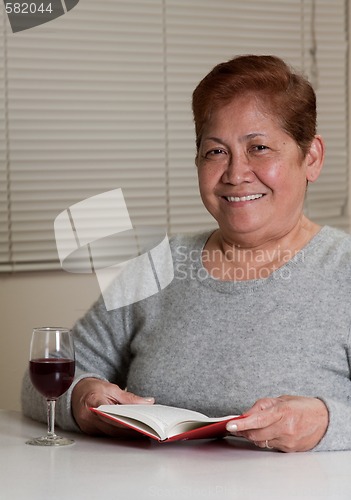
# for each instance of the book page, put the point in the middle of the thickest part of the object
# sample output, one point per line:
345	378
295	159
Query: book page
161	415
191	424
136	424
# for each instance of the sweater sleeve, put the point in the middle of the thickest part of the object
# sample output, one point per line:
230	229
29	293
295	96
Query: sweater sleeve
338	435
102	351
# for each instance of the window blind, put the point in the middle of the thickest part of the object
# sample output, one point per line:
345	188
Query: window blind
100	99
328	198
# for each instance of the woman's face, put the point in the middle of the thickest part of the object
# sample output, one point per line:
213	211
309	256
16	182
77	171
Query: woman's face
252	176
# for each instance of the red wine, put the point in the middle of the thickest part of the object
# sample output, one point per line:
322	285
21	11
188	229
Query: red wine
51	376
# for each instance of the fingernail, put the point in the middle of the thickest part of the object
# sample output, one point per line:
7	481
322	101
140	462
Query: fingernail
149	400
231	427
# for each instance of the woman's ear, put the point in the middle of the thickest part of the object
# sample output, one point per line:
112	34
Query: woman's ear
315	159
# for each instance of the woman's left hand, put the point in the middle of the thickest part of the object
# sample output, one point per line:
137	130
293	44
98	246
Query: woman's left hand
286	423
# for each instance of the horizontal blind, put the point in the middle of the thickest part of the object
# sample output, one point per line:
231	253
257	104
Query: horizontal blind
5	246
86	115
100	99
327	68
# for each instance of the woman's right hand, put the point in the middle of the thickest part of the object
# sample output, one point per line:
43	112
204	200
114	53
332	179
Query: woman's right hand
90	393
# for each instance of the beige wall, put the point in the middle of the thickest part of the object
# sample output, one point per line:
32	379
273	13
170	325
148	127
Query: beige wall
35	299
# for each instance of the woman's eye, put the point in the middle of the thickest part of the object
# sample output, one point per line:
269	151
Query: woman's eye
259	147
215	152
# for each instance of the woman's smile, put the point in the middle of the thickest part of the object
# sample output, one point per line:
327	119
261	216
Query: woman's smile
247	197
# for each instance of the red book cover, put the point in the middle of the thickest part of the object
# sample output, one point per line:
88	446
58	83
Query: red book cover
164	423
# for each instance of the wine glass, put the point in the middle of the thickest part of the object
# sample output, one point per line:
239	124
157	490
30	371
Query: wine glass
51	370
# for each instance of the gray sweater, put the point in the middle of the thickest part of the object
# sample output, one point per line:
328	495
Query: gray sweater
218	346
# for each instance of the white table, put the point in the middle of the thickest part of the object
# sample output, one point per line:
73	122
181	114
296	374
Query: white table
108	469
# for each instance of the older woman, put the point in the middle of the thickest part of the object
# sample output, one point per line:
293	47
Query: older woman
256	317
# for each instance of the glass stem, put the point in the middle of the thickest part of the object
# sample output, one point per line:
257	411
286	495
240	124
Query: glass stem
51	418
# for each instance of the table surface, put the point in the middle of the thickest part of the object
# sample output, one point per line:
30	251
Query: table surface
106	468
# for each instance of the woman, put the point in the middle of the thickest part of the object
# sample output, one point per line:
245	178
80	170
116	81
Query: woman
255	319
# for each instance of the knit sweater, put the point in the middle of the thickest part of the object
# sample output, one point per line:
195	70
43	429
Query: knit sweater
218	346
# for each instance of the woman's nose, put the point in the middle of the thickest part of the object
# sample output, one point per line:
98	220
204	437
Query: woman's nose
237	170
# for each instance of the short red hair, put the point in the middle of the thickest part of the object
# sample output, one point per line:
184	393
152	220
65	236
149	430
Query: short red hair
287	95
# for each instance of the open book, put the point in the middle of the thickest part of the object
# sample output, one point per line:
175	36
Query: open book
165	423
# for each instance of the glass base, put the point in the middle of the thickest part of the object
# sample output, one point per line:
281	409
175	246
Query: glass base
50	441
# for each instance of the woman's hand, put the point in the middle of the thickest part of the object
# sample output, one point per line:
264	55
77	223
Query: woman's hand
92	392
286	423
